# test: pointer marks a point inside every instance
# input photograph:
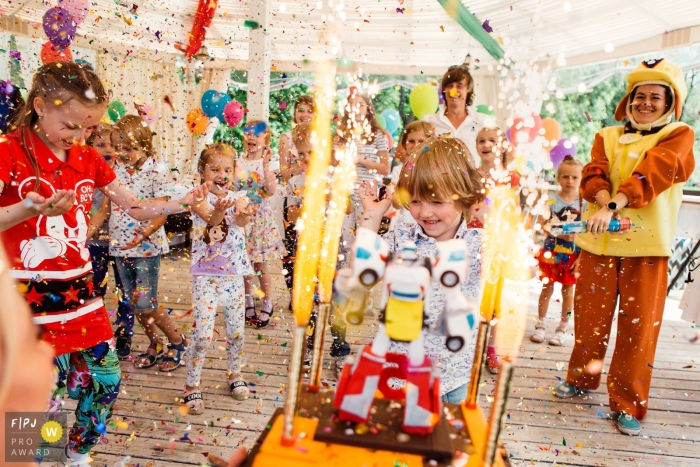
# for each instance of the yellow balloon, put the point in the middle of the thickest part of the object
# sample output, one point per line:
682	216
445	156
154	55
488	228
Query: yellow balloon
196	121
424	100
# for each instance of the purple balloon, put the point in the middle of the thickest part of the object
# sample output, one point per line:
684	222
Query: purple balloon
59	27
508	135
560	151
440	95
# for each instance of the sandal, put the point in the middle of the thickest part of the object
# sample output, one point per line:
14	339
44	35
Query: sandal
239	388
262	323
558	338
538	335
147	360
123	344
194	403
491	360
251	318
173	362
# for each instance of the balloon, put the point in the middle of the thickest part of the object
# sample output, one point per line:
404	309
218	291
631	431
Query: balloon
59	27
214	102
441	96
563	148
51	53
525	130
116	111
552	131
147	112
424	100
78	9
381	121
508	136
233	113
389	139
392	119
197	121
485	109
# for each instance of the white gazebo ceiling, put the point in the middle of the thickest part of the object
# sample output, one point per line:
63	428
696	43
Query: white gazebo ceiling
390	36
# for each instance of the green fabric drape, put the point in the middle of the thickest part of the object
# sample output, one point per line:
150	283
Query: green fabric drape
468	21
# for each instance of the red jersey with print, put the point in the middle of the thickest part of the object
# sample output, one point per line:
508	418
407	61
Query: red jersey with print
48	255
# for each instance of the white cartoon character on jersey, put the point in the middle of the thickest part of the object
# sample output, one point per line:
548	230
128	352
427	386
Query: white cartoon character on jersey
62	232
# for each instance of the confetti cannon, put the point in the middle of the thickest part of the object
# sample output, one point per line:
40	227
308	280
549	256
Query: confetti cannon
577	227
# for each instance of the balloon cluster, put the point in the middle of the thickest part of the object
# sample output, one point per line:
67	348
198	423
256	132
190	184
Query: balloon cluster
214	104
526	130
60	25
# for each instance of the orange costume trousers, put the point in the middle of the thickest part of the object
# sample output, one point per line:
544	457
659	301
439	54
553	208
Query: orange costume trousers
640	285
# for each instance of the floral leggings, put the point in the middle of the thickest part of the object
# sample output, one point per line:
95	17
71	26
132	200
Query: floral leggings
92	377
207	293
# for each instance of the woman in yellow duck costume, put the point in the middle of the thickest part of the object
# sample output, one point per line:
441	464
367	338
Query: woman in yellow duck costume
636	171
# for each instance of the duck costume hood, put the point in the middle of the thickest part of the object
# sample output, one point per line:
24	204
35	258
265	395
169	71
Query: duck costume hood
661	72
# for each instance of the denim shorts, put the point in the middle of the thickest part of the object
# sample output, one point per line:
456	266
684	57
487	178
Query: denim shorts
455	396
140	281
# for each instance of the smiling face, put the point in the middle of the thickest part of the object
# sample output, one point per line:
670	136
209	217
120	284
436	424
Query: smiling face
440	219
649	103
127	150
456	94
63	124
217	234
303	113
304	149
488	146
219	170
254	143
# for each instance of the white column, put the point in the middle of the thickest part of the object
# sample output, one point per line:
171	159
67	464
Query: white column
259	62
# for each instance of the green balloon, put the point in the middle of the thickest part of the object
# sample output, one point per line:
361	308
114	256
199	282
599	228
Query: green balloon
381	121
484	109
424	100
116	110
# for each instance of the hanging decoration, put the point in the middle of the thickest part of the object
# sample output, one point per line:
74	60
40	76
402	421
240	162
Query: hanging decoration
15	68
471	24
202	20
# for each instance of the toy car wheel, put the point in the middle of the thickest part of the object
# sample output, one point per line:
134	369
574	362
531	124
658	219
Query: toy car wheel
449	279
368	277
354	318
454	343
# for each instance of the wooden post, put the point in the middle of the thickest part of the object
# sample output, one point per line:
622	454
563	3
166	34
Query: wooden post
259	62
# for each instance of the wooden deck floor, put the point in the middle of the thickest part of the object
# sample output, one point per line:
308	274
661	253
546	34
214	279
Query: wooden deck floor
540	430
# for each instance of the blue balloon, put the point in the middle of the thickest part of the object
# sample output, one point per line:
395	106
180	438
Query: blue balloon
213	103
393	120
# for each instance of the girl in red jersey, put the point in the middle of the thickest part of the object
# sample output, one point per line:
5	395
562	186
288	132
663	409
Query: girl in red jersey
47	178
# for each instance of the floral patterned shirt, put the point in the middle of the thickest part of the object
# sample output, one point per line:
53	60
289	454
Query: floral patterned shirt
148	182
454	368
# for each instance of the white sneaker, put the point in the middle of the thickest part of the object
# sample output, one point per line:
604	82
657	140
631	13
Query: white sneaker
73	459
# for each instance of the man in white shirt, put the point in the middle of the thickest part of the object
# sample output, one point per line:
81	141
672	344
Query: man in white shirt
457	116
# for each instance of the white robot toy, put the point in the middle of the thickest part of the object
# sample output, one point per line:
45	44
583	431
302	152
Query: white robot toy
406	286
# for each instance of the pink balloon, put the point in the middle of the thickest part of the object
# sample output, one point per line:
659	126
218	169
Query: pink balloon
233	113
78	9
147	112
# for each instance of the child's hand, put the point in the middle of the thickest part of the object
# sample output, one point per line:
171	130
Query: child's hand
224	204
197	195
242	204
575	265
60	203
139	237
374	206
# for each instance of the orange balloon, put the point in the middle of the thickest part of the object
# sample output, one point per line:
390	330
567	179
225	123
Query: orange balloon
196	121
51	53
552	130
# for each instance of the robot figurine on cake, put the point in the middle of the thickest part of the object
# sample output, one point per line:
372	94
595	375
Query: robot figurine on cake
405	291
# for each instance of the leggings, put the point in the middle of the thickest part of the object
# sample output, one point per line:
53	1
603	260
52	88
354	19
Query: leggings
207	293
92	377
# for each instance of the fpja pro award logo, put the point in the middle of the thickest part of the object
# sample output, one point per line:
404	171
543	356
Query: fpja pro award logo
34	436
